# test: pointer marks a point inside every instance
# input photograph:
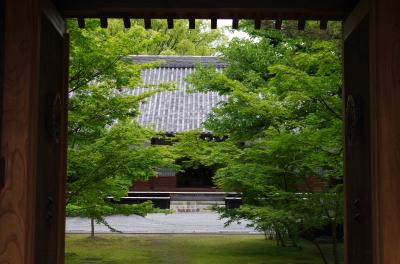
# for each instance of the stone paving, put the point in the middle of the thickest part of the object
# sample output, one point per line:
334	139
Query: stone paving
202	222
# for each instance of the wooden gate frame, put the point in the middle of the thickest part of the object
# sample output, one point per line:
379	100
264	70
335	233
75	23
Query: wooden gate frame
371	100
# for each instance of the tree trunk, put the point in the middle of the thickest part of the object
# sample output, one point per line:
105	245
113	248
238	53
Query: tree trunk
280	239
334	243
92	227
320	251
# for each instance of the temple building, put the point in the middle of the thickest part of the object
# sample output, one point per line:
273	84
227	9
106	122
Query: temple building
173	112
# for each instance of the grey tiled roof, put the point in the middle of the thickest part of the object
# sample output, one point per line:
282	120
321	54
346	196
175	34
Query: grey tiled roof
175	111
179	61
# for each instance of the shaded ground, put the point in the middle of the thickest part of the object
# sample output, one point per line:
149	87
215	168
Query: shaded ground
180	249
204	222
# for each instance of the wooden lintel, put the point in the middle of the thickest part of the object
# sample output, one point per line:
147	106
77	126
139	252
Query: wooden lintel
226	9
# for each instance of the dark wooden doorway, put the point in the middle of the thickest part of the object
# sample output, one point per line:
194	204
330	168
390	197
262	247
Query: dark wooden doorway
33	132
31	184
51	133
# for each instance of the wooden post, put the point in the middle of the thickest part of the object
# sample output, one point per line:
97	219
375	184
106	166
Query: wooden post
2	29
385	129
51	124
18	138
34	121
357	146
372	132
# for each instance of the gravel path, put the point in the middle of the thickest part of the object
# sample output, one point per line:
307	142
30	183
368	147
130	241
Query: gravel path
203	222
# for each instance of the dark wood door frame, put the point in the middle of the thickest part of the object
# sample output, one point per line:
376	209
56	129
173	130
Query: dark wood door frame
35	67
357	138
371	100
51	138
371	36
2	49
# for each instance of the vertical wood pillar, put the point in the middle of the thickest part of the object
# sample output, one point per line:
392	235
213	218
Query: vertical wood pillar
33	116
372	132
385	129
2	29
357	180
51	139
18	144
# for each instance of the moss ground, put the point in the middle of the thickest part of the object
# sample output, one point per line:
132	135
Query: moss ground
179	249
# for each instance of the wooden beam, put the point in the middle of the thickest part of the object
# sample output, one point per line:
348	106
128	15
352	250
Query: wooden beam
355	18
226	9
54	16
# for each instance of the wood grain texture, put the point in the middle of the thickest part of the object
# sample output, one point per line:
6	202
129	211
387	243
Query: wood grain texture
355	17
357	145
63	155
286	9
2	28
51	122
20	82
35	165
385	91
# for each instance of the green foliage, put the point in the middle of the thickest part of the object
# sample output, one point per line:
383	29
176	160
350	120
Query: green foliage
107	166
282	120
107	149
208	152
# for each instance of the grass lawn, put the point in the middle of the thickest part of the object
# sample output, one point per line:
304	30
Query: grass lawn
176	249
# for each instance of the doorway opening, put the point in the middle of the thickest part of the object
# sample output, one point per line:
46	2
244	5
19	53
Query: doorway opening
259	88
